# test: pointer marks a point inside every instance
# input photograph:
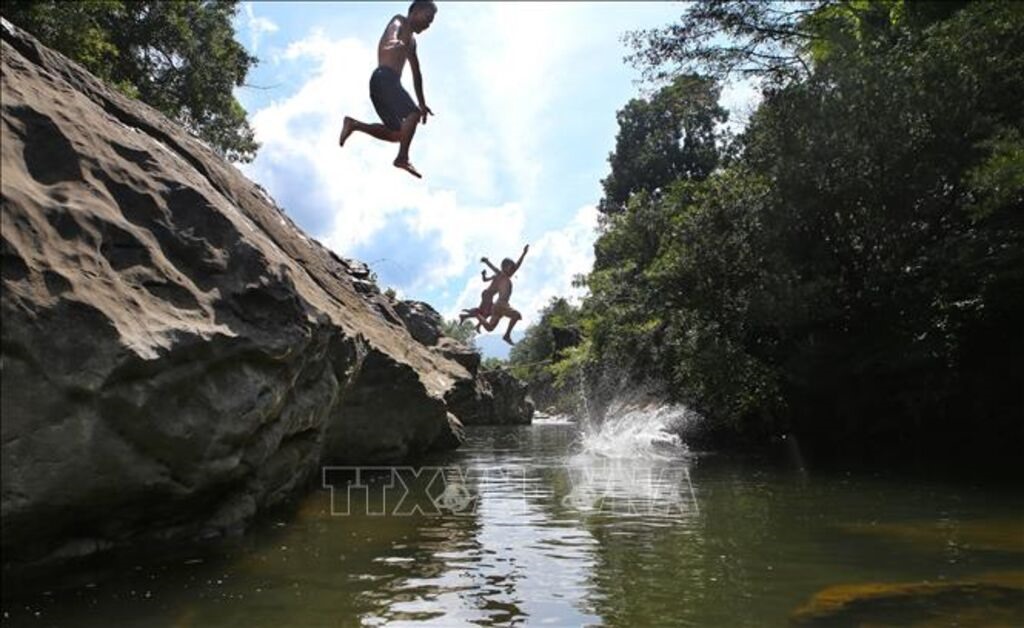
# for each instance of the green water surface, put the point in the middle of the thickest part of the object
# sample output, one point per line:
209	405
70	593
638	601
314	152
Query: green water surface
536	533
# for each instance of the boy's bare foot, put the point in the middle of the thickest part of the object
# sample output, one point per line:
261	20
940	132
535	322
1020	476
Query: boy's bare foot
346	129
507	339
405	165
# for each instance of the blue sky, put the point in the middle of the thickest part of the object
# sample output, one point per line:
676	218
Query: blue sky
525	96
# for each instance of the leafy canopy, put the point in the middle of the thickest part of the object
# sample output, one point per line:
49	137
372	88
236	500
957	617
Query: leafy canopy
851	268
181	57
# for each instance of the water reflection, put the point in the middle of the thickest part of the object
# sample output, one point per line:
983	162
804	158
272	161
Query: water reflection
618	526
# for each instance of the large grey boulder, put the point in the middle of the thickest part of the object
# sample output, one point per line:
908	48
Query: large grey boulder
422	321
512	403
458	352
496	397
492	397
176	354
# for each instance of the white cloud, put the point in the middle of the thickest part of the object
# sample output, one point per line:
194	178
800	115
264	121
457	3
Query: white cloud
548	270
363	191
515	79
480	153
257	26
557	257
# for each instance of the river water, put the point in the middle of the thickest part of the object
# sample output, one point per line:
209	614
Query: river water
555	524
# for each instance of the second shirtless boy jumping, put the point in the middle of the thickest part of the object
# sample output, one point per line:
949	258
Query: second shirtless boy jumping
501	286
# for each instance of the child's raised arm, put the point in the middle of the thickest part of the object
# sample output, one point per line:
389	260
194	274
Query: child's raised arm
520	262
483	275
489	264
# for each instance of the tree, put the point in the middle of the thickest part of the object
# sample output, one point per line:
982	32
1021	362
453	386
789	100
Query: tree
673	138
464	332
671	135
727	37
546	344
776	41
556	330
856	273
492	363
180	57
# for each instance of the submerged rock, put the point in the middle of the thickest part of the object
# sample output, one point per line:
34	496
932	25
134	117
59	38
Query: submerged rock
986	600
177	355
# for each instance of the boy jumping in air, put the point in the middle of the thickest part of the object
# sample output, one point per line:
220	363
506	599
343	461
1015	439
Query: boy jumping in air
501	285
482	311
393	104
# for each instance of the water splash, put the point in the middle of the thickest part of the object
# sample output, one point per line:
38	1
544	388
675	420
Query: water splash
633	462
637	431
584	403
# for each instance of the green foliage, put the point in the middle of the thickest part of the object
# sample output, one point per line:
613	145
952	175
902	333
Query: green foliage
493	363
464	332
572	361
857	270
998	181
669	136
180	57
627	315
779	42
725	37
548	350
538	343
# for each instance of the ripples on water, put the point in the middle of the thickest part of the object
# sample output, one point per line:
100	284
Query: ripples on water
618	524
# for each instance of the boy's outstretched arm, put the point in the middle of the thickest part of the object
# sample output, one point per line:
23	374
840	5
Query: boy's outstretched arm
520	261
484	260
417	81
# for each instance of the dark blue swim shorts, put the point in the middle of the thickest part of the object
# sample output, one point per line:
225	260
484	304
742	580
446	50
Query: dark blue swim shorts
392	102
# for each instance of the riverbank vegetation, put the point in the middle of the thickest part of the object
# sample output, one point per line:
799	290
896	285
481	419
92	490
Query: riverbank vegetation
848	269
180	57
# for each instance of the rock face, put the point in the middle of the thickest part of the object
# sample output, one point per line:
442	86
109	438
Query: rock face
455	350
493	397
512	404
422	321
176	354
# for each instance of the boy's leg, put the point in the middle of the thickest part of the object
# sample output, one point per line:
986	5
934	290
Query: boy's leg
378	131
498	311
492	322
513	318
406	134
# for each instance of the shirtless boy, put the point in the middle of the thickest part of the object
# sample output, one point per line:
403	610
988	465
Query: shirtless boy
482	311
502	286
393	104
